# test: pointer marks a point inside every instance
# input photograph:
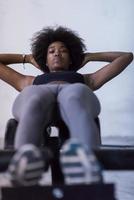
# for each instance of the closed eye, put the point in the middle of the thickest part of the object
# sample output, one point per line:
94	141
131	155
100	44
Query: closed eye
62	50
51	51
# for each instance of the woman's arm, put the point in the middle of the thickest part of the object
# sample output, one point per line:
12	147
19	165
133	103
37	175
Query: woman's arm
118	62
8	59
15	79
101	57
11	58
12	77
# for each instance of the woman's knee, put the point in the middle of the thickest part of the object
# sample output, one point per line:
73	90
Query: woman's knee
39	102
34	101
33	98
77	91
79	94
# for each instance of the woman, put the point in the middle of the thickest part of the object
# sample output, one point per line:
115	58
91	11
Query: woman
59	53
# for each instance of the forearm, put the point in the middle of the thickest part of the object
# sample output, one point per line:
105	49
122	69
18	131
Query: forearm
13	58
104	56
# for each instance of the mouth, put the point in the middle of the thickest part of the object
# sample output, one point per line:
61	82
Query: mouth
57	60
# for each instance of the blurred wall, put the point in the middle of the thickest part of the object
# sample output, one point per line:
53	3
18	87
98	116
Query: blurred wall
104	25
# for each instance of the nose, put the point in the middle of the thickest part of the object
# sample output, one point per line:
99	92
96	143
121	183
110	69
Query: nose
57	52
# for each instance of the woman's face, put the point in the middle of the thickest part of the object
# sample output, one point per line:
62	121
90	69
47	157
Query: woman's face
58	58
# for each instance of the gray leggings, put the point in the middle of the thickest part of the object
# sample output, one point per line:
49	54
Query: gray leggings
34	108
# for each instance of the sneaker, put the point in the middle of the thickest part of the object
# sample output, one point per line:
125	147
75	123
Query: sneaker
26	166
78	166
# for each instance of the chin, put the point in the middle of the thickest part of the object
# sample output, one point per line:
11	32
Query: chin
60	68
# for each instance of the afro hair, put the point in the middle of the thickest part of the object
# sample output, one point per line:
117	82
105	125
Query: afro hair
42	39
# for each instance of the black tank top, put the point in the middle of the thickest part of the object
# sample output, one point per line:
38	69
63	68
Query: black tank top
67	76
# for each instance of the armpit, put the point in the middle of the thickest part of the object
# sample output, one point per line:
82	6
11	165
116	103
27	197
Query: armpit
88	81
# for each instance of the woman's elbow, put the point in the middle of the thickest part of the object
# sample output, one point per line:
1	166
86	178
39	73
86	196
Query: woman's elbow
130	56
